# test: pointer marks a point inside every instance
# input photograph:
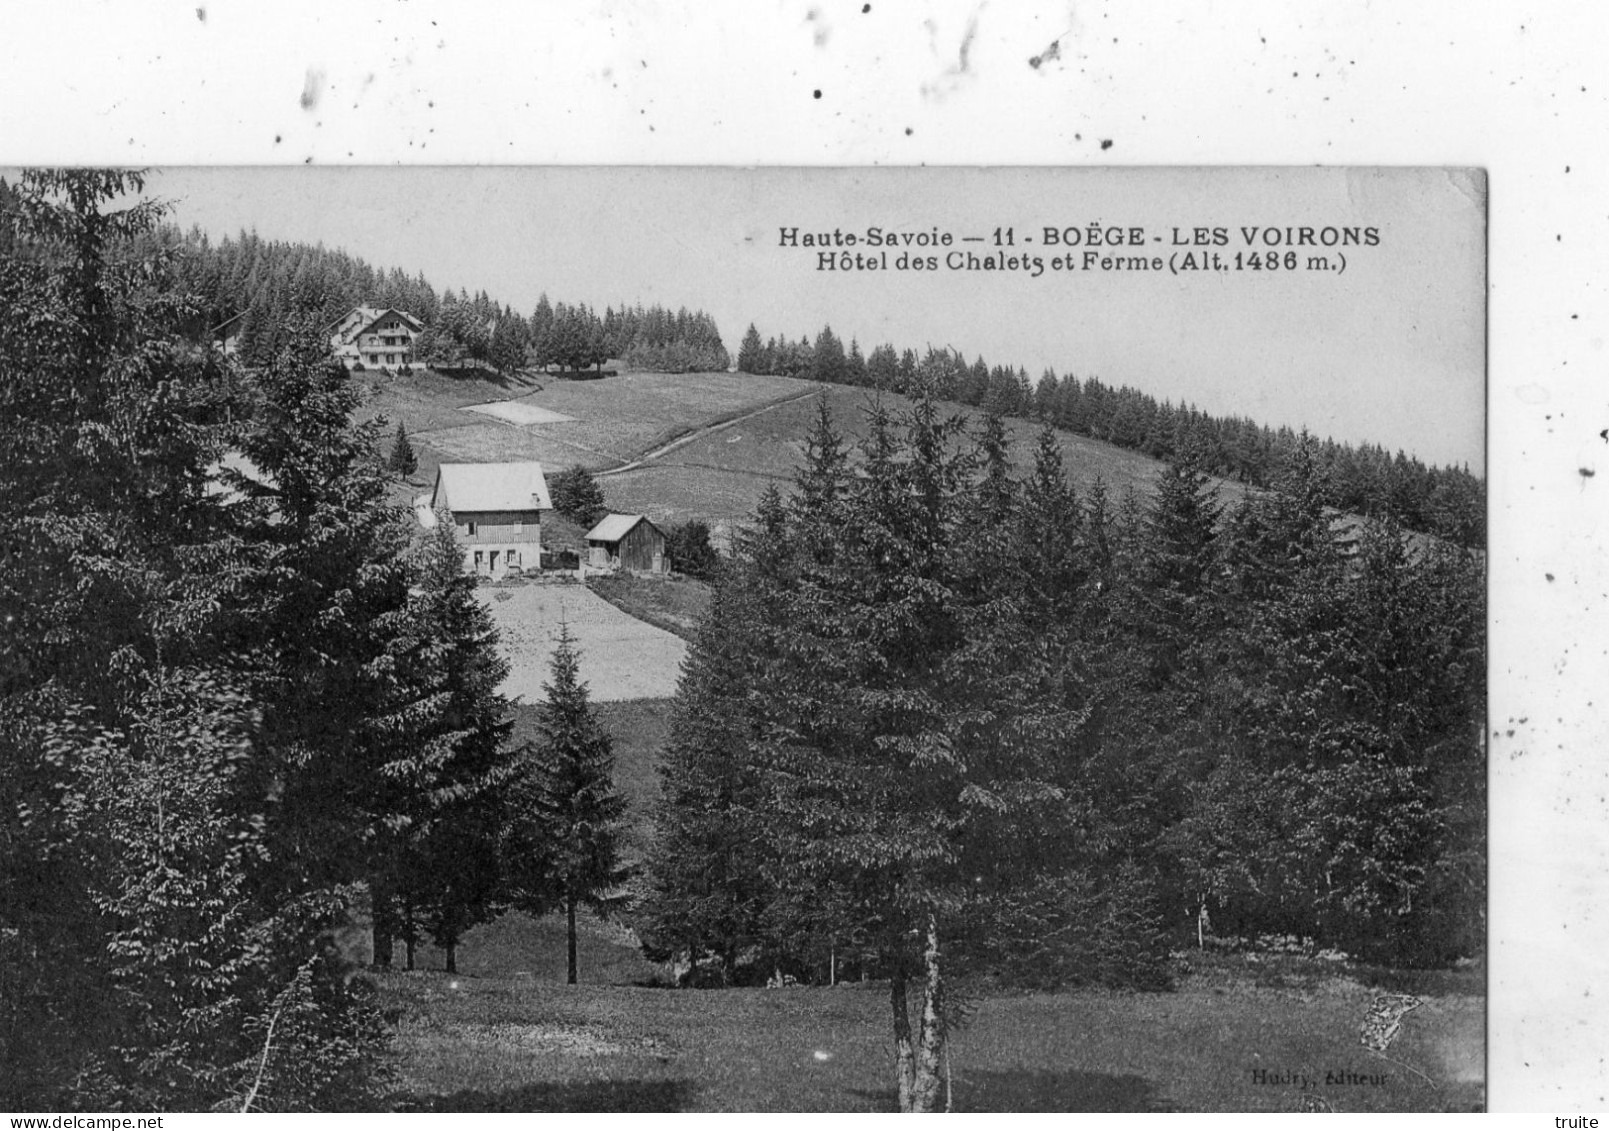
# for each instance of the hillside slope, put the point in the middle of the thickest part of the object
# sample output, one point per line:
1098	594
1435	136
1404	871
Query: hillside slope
716	474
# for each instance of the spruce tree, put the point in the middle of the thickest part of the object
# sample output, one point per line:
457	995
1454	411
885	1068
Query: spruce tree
450	763
151	940
707	887
539	347
568	820
750	355
905	749
577	496
403	461
855	372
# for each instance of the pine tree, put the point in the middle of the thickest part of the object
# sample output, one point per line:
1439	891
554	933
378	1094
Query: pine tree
750	357
570	818
855	372
539	347
576	495
450	762
707	887
403	461
148	936
905	749
325	616
688	546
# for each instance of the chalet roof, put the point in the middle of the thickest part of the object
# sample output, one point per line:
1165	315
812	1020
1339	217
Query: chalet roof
368	316
514	486
614	527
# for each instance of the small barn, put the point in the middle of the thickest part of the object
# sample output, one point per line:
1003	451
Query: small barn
497	509
627	541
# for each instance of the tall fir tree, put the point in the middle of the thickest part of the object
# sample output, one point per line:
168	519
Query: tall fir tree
565	849
155	955
451	762
827	358
707	888
750	355
403	461
904	748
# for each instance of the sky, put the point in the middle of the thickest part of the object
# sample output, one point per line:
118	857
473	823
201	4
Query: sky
1389	350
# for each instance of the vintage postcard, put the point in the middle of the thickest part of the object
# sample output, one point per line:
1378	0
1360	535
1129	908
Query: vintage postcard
720	639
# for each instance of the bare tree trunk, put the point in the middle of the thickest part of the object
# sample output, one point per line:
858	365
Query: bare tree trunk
452	956
409	945
570	909
384	944
904	1059
927	1079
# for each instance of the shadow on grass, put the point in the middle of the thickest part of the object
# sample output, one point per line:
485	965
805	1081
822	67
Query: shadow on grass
588	1095
1046	1090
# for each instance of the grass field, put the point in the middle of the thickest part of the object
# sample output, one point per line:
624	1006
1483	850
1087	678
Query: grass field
506	1034
676	605
605	422
717	476
721	476
621	656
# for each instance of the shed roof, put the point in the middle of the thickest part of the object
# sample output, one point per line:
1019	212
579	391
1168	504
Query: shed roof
514	486
614	527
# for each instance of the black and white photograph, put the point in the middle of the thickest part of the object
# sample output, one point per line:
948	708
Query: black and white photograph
587	639
801	557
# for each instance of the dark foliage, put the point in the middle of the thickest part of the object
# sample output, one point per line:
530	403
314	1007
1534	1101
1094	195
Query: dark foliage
403	461
944	717
562	845
688	545
577	496
171	907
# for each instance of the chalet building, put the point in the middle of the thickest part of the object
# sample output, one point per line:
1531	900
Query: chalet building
628	542
497	509
371	337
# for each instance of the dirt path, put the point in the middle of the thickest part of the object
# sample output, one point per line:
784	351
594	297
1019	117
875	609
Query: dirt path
700	432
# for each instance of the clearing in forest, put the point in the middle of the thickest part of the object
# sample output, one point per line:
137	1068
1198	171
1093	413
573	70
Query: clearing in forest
621	656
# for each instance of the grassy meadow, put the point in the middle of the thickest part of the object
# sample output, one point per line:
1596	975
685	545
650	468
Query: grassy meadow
611	420
728	458
506	1034
676	605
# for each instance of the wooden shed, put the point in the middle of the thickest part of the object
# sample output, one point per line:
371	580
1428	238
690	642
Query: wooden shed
627	541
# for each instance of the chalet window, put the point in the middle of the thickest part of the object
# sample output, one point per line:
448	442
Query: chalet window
471	531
